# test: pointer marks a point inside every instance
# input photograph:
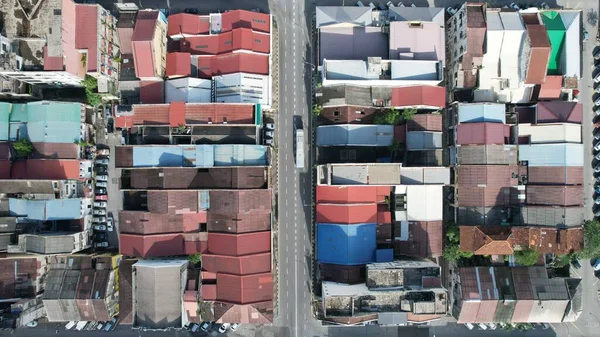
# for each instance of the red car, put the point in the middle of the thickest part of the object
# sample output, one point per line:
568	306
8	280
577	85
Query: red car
102	197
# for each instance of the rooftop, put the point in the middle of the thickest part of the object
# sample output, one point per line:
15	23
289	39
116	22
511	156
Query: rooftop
410	40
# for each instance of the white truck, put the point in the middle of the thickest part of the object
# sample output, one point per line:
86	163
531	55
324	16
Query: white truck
299	148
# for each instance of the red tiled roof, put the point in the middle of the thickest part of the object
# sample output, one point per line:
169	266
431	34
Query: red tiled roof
4	169
86	34
347	214
239	244
243	265
209	66
485	196
52	63
177	113
551	88
152	92
346	194
184	23
178	65
244	289
419	95
482	133
549	240
123	122
245	19
486	240
487	175
195	113
256	313
46	169
144	26
237	39
151	245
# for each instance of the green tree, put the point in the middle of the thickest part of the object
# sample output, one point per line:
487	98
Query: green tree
528	257
408	114
117	58
23	147
394	117
591	239
84	59
452	252
317	109
195	258
91	90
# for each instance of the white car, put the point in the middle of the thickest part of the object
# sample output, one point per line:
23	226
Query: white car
270	126
99	219
597	78
100	204
109	224
597	102
269	134
70	325
101	161
102	184
597	265
99	211
234	326
102	178
99	227
223	328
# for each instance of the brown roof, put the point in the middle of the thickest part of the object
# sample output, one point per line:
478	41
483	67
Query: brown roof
244	289
240	201
490	175
172	202
486	240
133	222
126	291
23	269
237	265
486	196
55	151
551	88
257	313
425	122
424	239
540	54
476	28
555	195
556	175
195	113
239	223
548	240
348	114
240	244
194	178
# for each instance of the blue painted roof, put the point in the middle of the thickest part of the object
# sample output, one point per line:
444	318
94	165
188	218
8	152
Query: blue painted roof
199	155
43	210
346	244
481	112
384	255
560	154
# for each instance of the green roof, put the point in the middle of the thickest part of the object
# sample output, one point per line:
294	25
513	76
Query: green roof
556	33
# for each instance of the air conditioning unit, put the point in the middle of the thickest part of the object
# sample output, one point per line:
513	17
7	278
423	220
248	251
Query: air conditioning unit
524	163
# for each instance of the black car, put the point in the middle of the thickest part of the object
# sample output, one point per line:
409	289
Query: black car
99	236
191	11
100	191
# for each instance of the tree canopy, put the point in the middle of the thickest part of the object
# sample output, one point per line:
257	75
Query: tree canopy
528	257
394	117
452	250
23	147
591	239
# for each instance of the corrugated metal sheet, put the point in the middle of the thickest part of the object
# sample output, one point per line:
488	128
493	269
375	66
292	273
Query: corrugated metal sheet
239	244
555	195
481	112
486	154
425	122
555	175
488	196
240	155
238	201
482	133
559	111
244	289
239	223
420	96
245	19
172	202
425	239
562	154
44	210
135	222
346	194
243	265
355	135
346	214
147	246
346	245
550	133
183	23
192	178
490	175
540	54
423	140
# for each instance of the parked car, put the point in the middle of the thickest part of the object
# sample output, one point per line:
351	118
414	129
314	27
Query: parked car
101	245
102	197
107	325
100	190
194	327
101	161
101	204
100	326
234	326
597	265
113	323
99	227
99	211
99	219
270	126
597	78
597	146
100	236
597	102
103	152
575	263
515	7
102	184
269	134
109	223
482	326
32	324
81	325
102	177
223	328
545	326
70	325
597	54
268	141
469	326
204	326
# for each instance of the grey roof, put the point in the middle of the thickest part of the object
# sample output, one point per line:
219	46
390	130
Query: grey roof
414	70
346	94
486	154
158	293
392	318
355	135
423	140
27	186
428	14
330	15
550	216
482	216
348	70
351	43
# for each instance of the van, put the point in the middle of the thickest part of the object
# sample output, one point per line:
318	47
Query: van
70	325
482	326
469	326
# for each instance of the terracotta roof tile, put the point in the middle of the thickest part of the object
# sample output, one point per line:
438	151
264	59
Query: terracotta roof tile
555	195
482	133
486	240
421	95
46	169
551	88
425	239
178	65
245	19
183	23
346	214
209	66
244	289
346	194
242	265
